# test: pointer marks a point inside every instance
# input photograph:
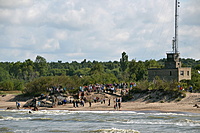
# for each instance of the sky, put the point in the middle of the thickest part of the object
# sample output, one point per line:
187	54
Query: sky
100	30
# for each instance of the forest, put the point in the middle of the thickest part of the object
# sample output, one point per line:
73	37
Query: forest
34	77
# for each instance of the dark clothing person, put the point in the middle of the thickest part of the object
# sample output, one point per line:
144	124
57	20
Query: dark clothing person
74	104
108	102
17	105
90	103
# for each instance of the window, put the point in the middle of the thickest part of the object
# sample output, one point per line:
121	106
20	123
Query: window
181	72
170	73
188	73
169	56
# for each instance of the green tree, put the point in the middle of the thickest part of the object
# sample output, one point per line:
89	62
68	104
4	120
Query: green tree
141	71
97	68
4	75
18	84
16	70
195	80
41	65
132	70
152	64
124	62
7	85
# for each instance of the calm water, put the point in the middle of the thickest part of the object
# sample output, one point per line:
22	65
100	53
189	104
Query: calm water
20	121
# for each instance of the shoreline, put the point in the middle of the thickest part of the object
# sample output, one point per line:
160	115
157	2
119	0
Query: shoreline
185	105
126	106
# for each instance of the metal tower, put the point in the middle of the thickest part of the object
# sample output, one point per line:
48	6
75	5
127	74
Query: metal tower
175	38
173	57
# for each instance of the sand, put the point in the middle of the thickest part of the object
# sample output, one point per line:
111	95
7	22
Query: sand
185	105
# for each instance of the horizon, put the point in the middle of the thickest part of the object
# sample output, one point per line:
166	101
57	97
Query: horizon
92	60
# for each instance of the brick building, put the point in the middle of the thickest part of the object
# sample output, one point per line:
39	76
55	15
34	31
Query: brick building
171	71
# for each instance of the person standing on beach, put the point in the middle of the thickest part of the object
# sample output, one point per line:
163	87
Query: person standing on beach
90	103
115	103
34	104
74	104
119	102
109	102
77	103
82	102
104	100
17	104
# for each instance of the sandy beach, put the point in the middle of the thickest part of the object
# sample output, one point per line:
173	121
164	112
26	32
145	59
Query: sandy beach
185	105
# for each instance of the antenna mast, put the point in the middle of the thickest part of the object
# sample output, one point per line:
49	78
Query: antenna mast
175	38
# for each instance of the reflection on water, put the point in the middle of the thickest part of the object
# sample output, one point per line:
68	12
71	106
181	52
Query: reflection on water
45	121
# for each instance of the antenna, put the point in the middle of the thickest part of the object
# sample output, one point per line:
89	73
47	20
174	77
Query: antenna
175	38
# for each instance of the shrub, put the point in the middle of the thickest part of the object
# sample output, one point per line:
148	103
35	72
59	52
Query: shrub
7	85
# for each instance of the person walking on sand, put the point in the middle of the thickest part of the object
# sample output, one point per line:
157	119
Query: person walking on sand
17	104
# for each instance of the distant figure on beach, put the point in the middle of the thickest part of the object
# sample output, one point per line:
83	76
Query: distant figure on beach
119	102
77	103
190	89
104	100
17	104
39	103
82	103
34	102
34	105
65	101
109	102
74	104
90	103
115	103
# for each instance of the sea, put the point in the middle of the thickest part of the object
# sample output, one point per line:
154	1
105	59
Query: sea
64	121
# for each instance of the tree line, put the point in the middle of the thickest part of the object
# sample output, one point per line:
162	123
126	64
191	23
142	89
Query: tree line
31	76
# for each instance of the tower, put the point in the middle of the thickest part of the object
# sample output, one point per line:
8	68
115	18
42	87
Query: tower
173	57
172	69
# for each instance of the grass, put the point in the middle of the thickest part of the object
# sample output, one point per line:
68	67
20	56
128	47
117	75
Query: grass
10	92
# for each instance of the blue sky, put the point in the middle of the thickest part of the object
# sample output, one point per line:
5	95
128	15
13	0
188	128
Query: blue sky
74	30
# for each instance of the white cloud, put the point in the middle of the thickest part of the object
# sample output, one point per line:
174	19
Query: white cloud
96	30
51	45
123	36
15	3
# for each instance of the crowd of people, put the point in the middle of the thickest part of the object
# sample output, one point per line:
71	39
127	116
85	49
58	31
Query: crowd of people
107	87
107	102
55	98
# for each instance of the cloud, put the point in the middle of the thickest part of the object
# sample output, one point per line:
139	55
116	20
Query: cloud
96	30
15	3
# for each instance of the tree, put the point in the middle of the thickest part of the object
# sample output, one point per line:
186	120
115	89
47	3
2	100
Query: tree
124	62
41	65
7	85
137	70
132	70
4	75
142	71
97	68
152	64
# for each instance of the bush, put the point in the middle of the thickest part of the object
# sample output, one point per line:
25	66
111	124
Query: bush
18	85
41	84
7	85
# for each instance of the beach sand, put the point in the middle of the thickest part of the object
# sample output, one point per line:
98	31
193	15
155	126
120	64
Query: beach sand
185	105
